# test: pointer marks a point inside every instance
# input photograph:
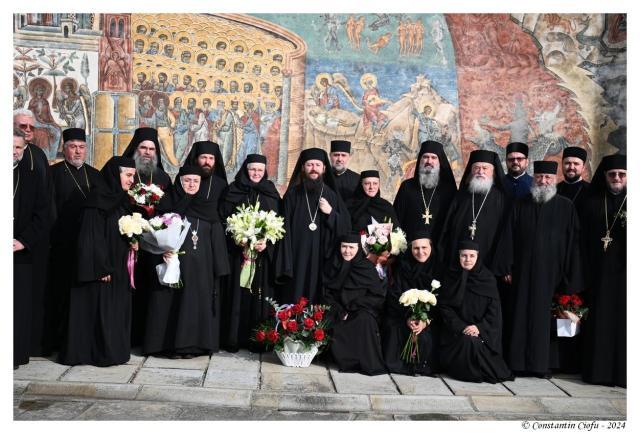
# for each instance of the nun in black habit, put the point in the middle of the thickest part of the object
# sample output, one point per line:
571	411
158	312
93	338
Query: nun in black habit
311	234
366	203
185	322
413	269
356	296
99	323
470	340
246	307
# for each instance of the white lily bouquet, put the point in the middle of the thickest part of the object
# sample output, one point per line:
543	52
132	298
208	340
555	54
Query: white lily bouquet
248	226
132	228
420	302
383	240
166	233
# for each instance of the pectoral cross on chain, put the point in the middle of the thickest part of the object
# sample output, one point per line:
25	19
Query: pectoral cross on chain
472	229
427	216
606	240
194	238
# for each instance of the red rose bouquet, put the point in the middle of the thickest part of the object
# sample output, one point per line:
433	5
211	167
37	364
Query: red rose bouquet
568	311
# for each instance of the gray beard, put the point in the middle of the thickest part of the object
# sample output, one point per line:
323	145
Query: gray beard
429	177
76	163
477	185
145	168
615	191
543	193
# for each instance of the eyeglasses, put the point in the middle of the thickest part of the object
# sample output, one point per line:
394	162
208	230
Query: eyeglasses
26	127
614	175
514	159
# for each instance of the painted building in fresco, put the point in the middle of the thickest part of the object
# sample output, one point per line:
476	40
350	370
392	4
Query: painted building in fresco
278	83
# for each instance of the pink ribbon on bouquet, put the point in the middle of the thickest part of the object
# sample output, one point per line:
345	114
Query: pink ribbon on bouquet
131	263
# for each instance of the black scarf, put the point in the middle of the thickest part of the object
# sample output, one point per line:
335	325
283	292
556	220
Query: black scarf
243	188
361	204
478	280
195	205
110	195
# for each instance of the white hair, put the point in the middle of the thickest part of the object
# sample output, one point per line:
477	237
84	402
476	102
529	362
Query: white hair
543	193
23	112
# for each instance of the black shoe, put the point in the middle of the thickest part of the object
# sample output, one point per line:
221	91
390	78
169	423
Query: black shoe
188	356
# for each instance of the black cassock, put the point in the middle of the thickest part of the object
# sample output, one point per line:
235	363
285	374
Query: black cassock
346	183
71	187
243	309
407	274
540	249
605	329
575	192
99	321
353	288
362	208
30	214
304	252
470	297
187	320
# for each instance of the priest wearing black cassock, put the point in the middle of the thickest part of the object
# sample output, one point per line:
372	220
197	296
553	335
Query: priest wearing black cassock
366	203
29	227
539	255
573	186
471	341
478	210
517	182
346	179
422	201
144	148
413	269
36	161
73	180
604	240
185	322
356	296
315	217
246	307
99	321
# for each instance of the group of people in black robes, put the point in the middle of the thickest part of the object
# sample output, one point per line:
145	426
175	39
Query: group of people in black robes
500	254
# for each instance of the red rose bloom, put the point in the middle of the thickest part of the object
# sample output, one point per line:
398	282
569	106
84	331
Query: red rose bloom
309	323
292	326
155	197
564	300
303	301
272	336
362	232
260	336
576	300
283	315
318	315
318	335
142	191
297	309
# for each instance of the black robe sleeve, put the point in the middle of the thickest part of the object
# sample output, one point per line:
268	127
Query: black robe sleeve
38	221
451	319
489	326
93	262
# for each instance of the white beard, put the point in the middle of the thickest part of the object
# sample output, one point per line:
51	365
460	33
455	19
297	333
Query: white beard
429	177
76	163
479	185
543	193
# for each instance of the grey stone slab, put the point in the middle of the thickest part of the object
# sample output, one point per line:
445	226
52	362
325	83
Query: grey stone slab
131	410
19	386
467	388
620	405
87	390
531	386
578	406
224	413
309	383
136	359
579	389
507	404
371	416
415	404
200	363
51	410
243	360
39	370
232	379
271	363
166	376
421	385
95	374
310	402
308	415
363	384
200	395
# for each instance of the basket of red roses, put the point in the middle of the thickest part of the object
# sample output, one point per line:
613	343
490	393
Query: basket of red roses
568	310
297	332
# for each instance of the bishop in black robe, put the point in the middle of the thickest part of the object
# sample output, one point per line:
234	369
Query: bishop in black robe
425	206
604	358
30	214
539	248
346	179
356	296
246	307
411	270
470	297
99	321
311	234
185	322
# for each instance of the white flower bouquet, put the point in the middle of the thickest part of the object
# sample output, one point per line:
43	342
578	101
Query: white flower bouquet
420	302
166	233
382	240
146	196
132	227
247	227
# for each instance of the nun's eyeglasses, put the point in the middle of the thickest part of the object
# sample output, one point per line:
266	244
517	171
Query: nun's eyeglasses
614	175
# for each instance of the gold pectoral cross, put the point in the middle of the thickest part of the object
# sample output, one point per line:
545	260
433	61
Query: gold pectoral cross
472	229
606	240
427	216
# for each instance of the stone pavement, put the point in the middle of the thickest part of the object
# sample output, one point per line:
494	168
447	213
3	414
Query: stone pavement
245	386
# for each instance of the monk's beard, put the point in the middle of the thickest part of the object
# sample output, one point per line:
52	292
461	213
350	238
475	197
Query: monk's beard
543	193
312	185
479	185
429	176
145	167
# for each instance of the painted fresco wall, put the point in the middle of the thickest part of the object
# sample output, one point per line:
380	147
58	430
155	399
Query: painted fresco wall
278	83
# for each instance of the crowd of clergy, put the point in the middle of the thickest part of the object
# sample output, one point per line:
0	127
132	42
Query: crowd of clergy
501	245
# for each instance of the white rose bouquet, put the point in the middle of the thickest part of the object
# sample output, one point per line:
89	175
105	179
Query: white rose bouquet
132	227
420	302
248	227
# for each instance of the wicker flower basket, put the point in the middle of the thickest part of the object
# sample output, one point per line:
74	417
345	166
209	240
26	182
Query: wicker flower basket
301	358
